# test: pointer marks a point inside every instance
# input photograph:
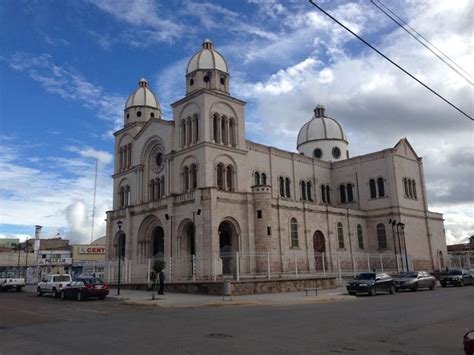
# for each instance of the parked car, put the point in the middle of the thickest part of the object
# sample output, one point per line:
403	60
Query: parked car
53	284
459	277
414	280
468	341
371	283
8	281
85	287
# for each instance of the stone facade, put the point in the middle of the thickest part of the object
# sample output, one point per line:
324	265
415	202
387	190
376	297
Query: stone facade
194	187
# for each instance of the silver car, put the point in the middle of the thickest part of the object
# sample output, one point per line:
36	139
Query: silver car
414	280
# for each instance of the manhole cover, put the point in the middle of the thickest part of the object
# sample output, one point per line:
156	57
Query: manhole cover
219	335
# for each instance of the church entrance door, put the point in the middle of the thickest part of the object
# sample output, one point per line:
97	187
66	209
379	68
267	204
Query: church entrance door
319	246
228	245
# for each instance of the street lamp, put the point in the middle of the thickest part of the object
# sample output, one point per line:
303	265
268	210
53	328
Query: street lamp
119	224
402	227
392	222
399	226
193	240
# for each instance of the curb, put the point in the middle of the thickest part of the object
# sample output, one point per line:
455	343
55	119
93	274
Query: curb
321	299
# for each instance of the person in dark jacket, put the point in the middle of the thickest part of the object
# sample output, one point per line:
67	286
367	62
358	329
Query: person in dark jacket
162	282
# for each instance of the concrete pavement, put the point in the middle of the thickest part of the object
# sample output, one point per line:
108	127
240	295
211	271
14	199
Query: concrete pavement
182	300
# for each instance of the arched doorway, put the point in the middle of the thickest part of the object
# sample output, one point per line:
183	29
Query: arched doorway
319	247
186	249
158	243
228	245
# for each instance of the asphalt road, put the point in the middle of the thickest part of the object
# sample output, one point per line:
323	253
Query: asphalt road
426	322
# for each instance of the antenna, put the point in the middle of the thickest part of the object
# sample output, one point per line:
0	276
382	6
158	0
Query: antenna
93	201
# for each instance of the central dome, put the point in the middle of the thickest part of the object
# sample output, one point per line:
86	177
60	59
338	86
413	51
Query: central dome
207	58
322	137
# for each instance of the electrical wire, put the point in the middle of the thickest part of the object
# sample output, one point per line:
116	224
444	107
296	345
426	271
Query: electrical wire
417	38
391	61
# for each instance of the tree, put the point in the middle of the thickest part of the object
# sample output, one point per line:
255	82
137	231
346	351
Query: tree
158	265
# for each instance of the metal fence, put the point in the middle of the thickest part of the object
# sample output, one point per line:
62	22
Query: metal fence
461	261
245	266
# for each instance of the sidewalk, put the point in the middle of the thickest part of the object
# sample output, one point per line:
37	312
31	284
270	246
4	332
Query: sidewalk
177	300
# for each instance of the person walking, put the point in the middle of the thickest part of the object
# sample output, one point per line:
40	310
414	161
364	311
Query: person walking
162	282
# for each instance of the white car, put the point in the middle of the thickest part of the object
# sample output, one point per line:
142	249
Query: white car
53	284
8	281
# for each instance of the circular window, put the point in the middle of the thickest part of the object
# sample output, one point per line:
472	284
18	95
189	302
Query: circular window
159	158
191	82
206	78
139	113
152	115
336	152
318	153
222	80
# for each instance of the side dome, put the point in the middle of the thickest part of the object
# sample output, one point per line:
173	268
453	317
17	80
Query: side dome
207	59
143	96
322	137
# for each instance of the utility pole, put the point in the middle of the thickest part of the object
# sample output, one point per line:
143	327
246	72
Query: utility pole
93	200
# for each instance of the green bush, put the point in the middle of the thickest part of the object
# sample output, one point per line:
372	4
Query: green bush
158	265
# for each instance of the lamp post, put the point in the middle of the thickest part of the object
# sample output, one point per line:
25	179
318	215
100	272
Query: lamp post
193	242
119	224
392	223
402	227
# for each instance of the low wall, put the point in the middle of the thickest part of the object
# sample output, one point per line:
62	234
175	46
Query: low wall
246	287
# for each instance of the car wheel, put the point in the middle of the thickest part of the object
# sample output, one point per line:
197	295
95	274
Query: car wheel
79	296
55	293
39	292
62	295
18	289
392	289
461	283
372	291
432	286
101	298
415	287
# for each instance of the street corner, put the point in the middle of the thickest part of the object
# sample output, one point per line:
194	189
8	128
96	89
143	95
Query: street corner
324	299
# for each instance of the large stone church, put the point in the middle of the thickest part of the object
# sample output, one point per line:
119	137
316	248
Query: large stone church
194	191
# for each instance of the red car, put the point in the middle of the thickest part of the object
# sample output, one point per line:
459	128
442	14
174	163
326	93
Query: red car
85	287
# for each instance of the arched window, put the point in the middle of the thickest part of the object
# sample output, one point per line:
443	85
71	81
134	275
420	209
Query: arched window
282	186
193	176
308	191
328	194
257	178
287	187
264	179
185	179
381	186
129	161
350	193
183	133
410	190
381	236
230	177
220	176
215	127
224	130
340	235
405	185
232	132
360	237
122	196
373	189
196	128
323	193
303	190
294	233
189	131
342	191
151	192
163	186
414	189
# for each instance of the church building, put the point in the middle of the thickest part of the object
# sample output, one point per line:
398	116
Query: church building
197	193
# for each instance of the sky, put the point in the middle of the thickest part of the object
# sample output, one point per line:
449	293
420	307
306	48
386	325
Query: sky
67	67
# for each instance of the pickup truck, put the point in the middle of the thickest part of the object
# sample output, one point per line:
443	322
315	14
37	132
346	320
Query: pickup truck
53	284
8	281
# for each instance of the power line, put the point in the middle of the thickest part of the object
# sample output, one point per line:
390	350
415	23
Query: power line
417	38
391	61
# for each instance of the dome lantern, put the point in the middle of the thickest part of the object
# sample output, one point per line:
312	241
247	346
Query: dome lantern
141	105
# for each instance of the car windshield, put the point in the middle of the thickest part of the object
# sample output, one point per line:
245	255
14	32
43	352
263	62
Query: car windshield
92	281
409	275
455	272
366	276
62	278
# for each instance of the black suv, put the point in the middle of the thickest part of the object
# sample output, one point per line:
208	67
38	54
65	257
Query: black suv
371	283
459	277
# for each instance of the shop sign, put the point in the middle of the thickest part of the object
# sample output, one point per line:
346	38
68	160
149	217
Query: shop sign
55	261
91	250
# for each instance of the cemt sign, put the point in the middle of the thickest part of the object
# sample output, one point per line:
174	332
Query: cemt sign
91	250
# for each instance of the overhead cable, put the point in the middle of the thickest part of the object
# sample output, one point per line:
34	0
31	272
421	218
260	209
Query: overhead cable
391	61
